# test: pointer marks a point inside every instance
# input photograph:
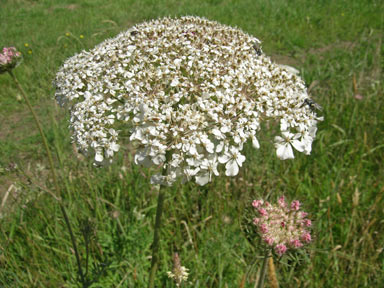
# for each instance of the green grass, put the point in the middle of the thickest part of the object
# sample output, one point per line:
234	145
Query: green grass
340	183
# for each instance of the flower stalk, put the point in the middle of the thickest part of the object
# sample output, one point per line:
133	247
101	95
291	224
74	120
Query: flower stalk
179	273
156	236
263	271
272	278
54	176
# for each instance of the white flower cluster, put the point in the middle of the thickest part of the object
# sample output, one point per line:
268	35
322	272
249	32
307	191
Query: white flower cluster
189	92
179	275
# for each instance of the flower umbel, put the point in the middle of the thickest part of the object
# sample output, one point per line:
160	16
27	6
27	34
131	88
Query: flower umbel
179	273
282	226
190	87
9	59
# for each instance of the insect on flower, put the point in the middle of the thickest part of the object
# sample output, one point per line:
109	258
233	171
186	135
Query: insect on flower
257	48
312	105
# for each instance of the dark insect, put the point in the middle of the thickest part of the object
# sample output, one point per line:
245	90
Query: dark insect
257	48
312	105
133	33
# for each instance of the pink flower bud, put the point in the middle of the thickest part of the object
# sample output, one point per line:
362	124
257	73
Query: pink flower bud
257	203
295	205
263	212
296	243
306	237
269	241
263	228
9	59
308	222
279	224
280	249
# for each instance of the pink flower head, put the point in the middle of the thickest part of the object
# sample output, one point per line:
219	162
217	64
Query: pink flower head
296	243
263	228
295	205
303	214
269	241
307	222
282	226
280	249
9	59
306	237
263	212
281	202
257	203
256	220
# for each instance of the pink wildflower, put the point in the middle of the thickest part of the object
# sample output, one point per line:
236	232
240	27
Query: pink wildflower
296	243
280	249
307	222
257	203
281	201
263	228
9	59
282	226
269	241
295	205
306	237
263	212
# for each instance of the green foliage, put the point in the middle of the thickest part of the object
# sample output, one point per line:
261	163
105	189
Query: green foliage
332	43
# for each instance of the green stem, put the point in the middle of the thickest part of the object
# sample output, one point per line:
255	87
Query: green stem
45	143
54	177
263	271
156	237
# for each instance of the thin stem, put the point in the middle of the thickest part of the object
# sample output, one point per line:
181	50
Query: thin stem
73	240
272	278
263	269
53	172
156	237
37	122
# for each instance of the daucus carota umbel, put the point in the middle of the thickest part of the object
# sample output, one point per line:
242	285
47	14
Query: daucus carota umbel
282	226
189	87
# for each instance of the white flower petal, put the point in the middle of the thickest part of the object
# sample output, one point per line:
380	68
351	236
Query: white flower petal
224	158
284	151
255	143
298	145
231	168
240	159
202	178
99	157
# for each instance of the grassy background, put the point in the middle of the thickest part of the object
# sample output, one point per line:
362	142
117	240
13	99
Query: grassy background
341	182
